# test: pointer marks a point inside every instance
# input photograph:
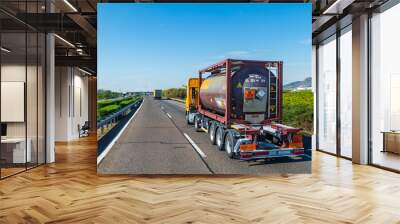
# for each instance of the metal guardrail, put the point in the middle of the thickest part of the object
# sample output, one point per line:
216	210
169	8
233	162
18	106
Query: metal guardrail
118	119
109	118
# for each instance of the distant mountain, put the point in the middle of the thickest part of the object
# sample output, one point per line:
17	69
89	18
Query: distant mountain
305	84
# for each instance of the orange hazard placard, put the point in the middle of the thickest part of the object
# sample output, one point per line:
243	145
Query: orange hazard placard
249	94
297	142
248	147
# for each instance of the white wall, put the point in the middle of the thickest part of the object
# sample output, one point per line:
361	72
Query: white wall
71	102
33	126
62	83
16	72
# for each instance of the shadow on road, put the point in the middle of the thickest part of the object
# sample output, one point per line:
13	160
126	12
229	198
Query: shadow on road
304	158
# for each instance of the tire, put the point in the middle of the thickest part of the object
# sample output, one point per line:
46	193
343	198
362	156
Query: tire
219	138
187	118
197	122
211	132
230	142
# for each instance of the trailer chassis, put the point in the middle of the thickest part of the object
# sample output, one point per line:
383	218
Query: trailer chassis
251	142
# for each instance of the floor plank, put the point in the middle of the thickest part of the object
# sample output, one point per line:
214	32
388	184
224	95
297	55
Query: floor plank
70	191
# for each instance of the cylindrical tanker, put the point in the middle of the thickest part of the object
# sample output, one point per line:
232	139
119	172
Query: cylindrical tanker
212	93
250	92
247	127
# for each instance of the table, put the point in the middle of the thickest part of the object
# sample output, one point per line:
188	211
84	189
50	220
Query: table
19	155
391	141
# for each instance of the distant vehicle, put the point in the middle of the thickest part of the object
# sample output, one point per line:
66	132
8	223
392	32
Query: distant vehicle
239	105
157	94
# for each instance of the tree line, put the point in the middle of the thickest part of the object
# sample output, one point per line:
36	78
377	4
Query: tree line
179	93
107	94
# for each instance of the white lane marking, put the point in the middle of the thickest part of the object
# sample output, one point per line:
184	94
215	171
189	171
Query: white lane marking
169	115
195	146
104	153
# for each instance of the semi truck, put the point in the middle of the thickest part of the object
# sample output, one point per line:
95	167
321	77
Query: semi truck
157	94
239	104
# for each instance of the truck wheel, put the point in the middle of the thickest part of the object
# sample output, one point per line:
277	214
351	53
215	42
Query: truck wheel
230	142
219	138
187	118
211	132
197	122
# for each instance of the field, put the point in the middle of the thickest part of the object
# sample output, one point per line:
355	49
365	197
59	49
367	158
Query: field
298	109
107	107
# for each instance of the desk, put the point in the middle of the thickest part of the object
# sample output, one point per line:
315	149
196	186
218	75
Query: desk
391	141
18	149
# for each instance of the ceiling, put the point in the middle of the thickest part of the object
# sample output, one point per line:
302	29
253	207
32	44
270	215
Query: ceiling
73	21
331	15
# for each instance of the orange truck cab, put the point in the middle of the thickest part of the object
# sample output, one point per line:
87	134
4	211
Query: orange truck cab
192	97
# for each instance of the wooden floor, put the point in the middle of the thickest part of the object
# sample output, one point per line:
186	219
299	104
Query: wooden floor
387	159
8	171
70	191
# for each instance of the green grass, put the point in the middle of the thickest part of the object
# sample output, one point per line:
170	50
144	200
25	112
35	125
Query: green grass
298	109
105	103
126	102
107	107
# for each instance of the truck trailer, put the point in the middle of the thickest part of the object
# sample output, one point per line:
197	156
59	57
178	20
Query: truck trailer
239	104
157	94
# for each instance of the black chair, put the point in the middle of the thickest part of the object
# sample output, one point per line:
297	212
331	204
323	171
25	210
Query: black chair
84	130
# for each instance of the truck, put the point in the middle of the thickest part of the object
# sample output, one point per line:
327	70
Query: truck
157	94
238	103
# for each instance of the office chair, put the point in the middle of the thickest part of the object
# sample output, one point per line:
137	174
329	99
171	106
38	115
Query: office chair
84	130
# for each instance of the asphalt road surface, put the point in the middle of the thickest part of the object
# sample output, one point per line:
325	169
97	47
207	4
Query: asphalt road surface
154	143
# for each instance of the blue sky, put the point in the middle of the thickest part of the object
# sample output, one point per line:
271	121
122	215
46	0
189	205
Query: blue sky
149	46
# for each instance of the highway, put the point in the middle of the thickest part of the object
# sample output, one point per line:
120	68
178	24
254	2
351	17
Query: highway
158	141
